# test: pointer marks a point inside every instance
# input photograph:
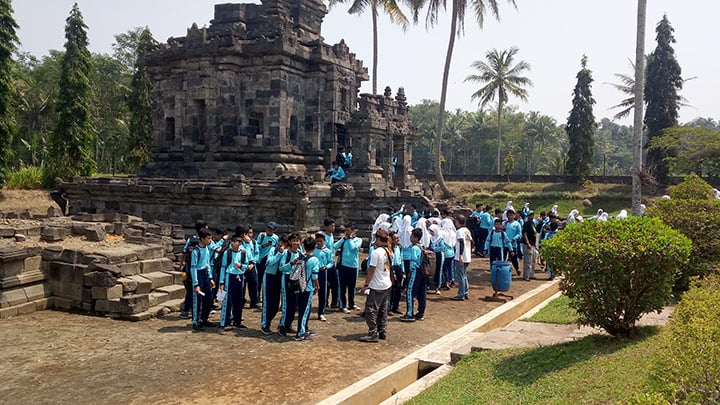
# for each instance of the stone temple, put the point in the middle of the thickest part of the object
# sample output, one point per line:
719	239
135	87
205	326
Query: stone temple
248	114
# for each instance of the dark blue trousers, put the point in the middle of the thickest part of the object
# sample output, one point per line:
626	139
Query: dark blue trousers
272	287
396	289
251	285
202	304
348	279
323	293
333	280
289	304
234	300
417	290
303	303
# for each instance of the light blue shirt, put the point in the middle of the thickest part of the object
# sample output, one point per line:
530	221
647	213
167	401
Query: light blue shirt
312	268
262	239
286	261
487	221
200	261
228	266
273	261
325	257
498	239
415	257
350	251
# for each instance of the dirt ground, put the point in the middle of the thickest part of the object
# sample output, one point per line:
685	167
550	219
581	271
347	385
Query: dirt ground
37	201
56	357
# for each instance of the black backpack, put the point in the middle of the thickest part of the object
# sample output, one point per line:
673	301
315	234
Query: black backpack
428	261
298	280
218	256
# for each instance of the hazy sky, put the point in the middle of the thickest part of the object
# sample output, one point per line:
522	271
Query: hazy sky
552	36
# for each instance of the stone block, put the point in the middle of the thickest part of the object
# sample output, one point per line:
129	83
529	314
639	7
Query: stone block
151	252
11	298
165	228
70	256
109	268
86	294
37	291
157	298
107	293
133	304
175	292
8	312
43	304
177	276
125	255
129	285
62	303
53	212
175	305
12	253
159	279
9	269
100	279
52	252
141	316
130	219
32	263
129	269
114	305
26	308
87	258
20	237
131	232
143	285
78	272
95	233
54	234
159	311
154	265
7	232
35	250
87	306
102	306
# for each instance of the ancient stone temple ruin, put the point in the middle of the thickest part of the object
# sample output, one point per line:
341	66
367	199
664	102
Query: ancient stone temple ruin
248	115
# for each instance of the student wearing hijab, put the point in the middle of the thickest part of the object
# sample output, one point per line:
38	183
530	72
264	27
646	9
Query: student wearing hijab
571	217
622	215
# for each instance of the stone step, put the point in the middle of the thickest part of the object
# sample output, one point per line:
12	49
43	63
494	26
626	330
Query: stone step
156	298
174	291
159	279
175	305
158	311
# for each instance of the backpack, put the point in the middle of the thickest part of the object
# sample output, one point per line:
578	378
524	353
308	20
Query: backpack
473	222
298	277
218	257
194	242
428	261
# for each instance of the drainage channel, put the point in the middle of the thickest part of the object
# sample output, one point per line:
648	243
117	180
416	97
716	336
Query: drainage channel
404	379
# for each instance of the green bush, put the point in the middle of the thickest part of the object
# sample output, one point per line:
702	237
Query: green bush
693	211
616	271
27	178
688	366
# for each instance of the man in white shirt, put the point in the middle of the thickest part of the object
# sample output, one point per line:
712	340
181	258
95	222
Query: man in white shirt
463	250
377	287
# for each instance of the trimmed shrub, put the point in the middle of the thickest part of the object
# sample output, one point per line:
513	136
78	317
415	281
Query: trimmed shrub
27	178
616	271
693	210
688	366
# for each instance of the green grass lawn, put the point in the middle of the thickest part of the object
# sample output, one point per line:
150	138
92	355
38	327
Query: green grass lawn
595	369
556	311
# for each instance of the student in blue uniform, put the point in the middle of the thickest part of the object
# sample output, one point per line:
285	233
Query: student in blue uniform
417	282
397	269
289	302
497	242
265	241
272	285
348	267
202	280
190	244
327	262
487	223
232	278
336	174
304	298
513	230
251	274
333	279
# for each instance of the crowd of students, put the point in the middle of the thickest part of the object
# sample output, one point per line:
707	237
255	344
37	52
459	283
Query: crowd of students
248	268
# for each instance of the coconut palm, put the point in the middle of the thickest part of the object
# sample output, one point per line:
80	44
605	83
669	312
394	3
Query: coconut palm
457	26
391	9
540	129
502	78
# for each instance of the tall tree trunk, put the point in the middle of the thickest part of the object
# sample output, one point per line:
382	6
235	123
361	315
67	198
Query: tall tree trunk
443	97
638	117
375	47
499	169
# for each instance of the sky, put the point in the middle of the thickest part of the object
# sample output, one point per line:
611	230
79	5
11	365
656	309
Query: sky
552	35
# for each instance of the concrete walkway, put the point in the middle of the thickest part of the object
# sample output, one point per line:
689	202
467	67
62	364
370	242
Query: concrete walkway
522	334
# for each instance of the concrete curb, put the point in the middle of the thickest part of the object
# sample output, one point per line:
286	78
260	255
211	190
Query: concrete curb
402	380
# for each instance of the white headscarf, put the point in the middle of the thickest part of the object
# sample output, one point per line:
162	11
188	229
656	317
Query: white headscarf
436	233
422	224
717	193
405	231
554	209
665	197
379	224
642	209
622	215
603	217
508	207
397	222
599	213
571	217
449	232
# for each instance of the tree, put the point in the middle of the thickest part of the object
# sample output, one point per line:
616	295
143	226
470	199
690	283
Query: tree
391	9
581	125
638	107
502	78
8	45
71	144
457	24
690	149
540	129
662	84
140	104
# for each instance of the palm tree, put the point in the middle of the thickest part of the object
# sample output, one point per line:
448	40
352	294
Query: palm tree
638	105
539	128
502	78
457	26
391	9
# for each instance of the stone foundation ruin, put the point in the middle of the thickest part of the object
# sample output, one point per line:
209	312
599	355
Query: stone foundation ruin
248	114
